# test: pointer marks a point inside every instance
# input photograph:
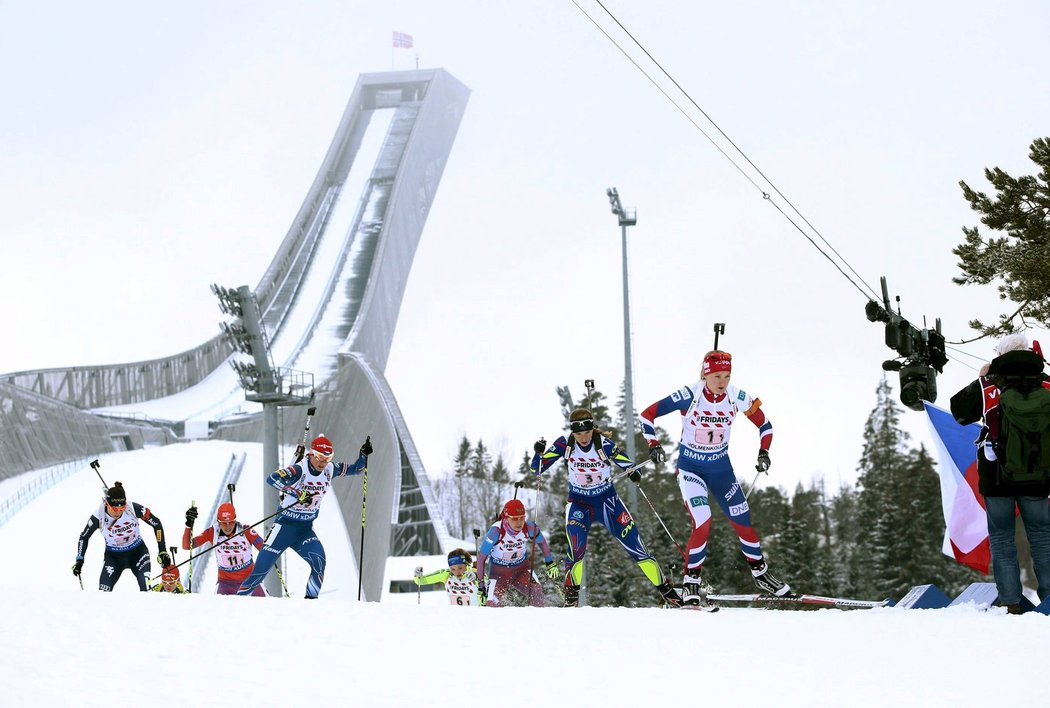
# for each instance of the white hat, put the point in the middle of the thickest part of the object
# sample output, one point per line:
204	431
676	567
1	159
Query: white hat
1012	343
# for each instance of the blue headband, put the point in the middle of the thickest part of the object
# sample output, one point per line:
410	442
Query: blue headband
456	560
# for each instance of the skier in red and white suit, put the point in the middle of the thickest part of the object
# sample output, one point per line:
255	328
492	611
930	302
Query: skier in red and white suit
708	409
233	548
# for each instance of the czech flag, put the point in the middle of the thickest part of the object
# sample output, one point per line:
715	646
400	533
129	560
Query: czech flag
966	525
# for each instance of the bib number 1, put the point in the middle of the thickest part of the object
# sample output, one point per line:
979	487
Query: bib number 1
710	436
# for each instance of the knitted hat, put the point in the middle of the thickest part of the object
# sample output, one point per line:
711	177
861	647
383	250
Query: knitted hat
717	361
115	495
514	508
322	446
226	513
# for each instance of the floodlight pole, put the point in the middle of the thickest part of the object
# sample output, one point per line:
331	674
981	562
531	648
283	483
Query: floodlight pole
271	500
626	217
262	383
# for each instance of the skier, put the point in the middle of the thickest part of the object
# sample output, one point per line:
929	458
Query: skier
169	581
461	582
125	549
704	471
590	458
509	545
233	548
306	483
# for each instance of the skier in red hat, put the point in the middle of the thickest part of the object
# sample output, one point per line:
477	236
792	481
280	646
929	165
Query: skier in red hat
505	557
305	483
233	548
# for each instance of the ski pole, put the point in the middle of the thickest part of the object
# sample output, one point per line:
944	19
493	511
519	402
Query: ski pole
94	466
361	554
300	449
720	328
419	588
657	515
224	542
753	483
483	583
532	562
627	472
189	574
280	576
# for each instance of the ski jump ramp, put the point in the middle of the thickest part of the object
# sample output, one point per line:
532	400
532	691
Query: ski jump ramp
329	303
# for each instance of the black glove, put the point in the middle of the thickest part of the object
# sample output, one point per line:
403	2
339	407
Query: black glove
366	449
635	476
540	446
304	496
482	594
164	559
77	566
763	461
657	454
191	516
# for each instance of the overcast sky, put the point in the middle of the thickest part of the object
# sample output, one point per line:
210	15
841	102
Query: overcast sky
146	152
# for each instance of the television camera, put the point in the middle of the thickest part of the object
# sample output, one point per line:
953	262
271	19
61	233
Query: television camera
921	351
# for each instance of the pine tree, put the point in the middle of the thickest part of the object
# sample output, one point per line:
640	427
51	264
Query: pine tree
500	473
480	462
461	463
879	501
1021	258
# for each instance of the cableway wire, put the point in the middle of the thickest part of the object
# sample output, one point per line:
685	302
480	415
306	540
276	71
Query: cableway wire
765	194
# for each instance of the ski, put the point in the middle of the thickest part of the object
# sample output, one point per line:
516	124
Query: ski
801	599
710	607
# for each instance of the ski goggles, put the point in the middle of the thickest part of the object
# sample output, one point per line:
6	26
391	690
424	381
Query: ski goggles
581	426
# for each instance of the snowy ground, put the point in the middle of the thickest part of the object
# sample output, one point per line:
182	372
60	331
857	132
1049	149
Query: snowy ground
64	646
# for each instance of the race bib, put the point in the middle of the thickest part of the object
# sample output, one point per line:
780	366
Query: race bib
710	436
460	600
587	479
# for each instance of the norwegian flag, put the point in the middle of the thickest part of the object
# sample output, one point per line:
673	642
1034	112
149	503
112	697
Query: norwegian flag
966	526
402	40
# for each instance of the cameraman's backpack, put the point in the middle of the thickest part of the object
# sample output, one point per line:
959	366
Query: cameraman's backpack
1024	433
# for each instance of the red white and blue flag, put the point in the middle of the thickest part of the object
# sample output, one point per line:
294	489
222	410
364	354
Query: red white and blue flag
402	40
966	532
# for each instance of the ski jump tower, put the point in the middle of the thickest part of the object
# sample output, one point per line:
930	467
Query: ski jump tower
329	302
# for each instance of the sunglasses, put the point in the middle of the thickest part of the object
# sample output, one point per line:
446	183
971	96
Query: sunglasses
117	505
581	426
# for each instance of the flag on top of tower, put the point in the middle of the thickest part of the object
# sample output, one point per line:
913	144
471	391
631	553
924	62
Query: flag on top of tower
966	525
402	40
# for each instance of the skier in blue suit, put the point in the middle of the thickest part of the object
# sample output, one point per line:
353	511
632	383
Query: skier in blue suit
306	483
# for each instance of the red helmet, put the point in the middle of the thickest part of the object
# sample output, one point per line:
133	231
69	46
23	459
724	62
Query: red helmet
226	513
322	446
513	508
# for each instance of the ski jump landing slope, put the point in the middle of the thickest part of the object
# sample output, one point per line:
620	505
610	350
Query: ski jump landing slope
329	300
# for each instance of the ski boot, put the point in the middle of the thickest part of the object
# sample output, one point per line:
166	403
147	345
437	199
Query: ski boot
669	594
695	590
572	595
766	582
